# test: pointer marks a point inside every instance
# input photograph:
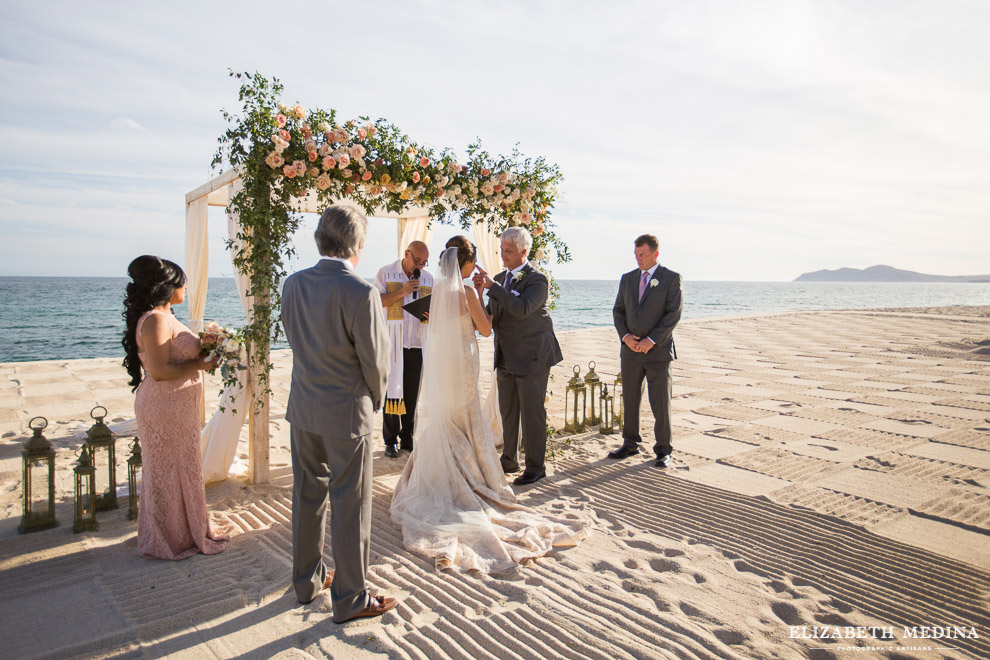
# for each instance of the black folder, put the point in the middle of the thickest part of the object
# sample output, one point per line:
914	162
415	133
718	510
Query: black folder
418	307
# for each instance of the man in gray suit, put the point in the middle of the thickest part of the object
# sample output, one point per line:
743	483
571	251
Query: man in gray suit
525	349
646	310
333	321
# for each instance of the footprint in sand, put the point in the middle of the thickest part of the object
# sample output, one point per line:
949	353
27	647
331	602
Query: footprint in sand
729	637
744	567
787	613
811	444
911	421
665	566
695	613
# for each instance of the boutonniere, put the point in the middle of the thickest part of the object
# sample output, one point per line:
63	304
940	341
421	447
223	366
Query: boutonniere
653	283
518	277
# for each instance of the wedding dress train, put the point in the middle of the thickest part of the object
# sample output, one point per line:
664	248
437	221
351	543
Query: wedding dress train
452	500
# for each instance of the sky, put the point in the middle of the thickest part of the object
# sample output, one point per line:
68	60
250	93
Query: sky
757	139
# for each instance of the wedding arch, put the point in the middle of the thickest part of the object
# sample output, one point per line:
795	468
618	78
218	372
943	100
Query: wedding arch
278	161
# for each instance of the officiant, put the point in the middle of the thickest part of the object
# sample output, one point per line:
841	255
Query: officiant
401	283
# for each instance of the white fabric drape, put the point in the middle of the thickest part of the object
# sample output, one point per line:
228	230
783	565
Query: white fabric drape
412	229
197	260
487	242
488	246
220	436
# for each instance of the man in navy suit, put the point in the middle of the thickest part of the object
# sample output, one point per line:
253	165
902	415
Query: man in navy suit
646	310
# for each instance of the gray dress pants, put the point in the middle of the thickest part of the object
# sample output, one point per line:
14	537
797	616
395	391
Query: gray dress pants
341	469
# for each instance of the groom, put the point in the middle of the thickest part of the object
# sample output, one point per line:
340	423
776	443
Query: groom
333	321
525	349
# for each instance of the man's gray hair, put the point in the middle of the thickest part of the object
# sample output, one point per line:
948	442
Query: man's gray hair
341	231
519	237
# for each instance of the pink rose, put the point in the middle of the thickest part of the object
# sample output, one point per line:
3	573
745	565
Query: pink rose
300	166
284	134
503	177
454	167
357	151
280	120
343	161
526	217
439	192
372	130
346	173
499	187
312	171
324	149
362	133
485	171
274	160
415	177
366	176
209	338
323	181
329	163
289	171
311	156
424	162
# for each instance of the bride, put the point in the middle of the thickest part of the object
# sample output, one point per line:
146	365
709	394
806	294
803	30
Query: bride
452	500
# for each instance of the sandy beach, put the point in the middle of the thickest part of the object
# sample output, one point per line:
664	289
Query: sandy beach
831	470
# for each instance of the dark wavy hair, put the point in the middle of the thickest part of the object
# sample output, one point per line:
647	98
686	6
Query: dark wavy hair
466	251
153	281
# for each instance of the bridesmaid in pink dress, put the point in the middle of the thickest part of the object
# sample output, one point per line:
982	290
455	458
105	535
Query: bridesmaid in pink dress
173	522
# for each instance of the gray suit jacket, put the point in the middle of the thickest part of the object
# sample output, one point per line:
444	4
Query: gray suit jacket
333	321
523	330
655	317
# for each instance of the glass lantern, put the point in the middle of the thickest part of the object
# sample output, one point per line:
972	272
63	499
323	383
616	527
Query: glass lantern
133	479
594	384
617	393
574	403
102	449
608	414
38	459
85	478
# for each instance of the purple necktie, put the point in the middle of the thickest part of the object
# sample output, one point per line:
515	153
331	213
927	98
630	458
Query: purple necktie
642	284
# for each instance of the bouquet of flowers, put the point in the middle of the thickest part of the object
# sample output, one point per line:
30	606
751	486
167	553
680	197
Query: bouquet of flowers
216	341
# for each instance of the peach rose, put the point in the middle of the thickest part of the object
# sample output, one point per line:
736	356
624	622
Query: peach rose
323	181
346	173
366	176
310	146
362	133
439	193
357	151
299	111
372	130
349	189
538	231
415	177
300	167
280	120
329	162
503	177
424	162
499	187
274	160
454	167
284	134
343	161
289	171
311	156
324	150
385	179
485	171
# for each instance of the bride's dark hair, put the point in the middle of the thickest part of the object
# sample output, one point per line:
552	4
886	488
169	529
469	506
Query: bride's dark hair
466	251
154	280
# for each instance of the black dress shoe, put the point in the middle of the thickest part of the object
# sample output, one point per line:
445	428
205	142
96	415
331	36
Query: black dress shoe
528	478
623	452
405	447
391	452
662	461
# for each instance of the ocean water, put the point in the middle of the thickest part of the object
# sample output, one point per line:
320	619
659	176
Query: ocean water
48	318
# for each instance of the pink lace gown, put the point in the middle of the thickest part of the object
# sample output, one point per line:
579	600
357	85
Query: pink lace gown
173	522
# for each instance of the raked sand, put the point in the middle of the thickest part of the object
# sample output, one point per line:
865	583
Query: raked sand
830	469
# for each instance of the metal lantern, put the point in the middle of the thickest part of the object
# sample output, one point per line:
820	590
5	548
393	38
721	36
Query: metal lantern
574	403
100	437
39	480
617	393
85	478
594	384
133	479
608	414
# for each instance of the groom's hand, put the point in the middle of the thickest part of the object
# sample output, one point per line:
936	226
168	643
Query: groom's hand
482	280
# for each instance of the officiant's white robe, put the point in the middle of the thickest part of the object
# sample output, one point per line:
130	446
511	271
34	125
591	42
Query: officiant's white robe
404	329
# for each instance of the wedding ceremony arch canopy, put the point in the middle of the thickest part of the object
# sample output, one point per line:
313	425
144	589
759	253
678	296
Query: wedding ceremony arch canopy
278	161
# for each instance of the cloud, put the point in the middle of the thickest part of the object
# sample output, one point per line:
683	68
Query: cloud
124	122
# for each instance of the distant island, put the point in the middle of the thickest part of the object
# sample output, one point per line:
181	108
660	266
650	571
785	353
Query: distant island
884	274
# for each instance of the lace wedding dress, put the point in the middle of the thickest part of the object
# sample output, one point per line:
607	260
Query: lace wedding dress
452	501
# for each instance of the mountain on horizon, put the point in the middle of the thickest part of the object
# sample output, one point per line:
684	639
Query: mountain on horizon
884	274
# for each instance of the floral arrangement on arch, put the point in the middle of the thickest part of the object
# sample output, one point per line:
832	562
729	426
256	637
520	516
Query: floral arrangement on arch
285	152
